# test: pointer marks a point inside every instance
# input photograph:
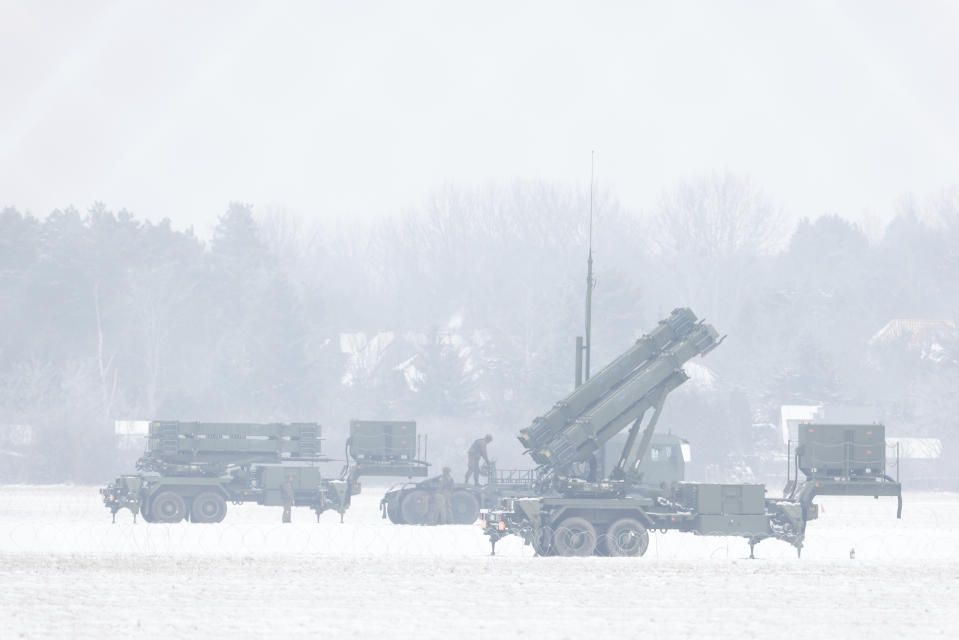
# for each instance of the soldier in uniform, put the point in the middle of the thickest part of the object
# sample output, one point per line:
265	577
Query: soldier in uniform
441	500
474	455
286	492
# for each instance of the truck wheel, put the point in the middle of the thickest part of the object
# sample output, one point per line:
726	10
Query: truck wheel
542	541
574	537
393	511
145	511
465	507
167	507
208	507
415	506
627	537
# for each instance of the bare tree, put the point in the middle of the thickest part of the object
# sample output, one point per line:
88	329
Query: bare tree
710	236
717	216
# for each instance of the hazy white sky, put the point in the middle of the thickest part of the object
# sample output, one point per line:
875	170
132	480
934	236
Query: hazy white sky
173	109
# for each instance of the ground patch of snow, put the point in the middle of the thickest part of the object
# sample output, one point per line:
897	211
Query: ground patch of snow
65	571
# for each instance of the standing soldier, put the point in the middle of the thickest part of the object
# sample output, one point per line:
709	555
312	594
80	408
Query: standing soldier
446	490
286	492
441	500
477	451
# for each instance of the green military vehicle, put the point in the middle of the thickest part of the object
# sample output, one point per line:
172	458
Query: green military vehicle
393	448
192	470
375	451
571	515
408	502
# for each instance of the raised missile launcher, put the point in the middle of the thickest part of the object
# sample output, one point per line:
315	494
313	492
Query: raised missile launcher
192	470
545	429
618	404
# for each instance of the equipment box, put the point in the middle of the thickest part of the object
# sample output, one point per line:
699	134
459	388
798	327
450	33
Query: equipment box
842	449
383	440
732	524
271	477
718	499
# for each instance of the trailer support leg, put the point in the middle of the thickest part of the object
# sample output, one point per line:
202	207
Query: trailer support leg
752	546
899	509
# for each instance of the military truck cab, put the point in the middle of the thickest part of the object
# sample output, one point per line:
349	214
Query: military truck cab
663	464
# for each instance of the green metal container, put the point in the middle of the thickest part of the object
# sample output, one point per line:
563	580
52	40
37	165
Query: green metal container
843	450
383	440
722	499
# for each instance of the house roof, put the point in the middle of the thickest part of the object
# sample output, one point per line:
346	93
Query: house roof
918	331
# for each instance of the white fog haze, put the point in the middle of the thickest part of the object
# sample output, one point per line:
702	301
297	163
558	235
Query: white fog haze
329	110
326	220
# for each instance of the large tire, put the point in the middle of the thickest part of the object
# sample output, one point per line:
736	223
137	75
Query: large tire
167	506
145	511
627	537
465	507
574	537
393	511
208	507
542	541
415	506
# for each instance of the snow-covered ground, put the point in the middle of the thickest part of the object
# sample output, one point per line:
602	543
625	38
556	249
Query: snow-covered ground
66	571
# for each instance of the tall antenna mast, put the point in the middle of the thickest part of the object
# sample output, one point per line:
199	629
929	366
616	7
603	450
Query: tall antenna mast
589	267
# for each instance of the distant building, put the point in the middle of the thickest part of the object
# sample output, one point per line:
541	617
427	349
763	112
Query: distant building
791	415
919	332
377	357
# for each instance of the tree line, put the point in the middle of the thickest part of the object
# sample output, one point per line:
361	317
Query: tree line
462	315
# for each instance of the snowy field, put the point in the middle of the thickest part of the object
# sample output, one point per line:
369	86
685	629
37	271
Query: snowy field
65	571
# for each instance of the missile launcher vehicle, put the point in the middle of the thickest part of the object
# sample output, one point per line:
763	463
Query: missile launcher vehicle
192	470
570	515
